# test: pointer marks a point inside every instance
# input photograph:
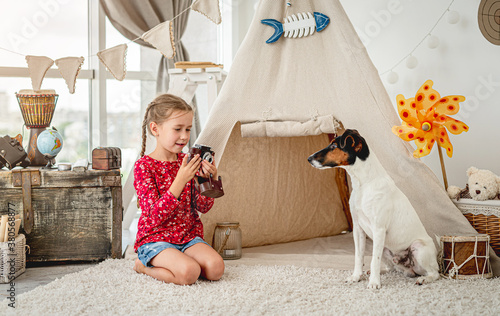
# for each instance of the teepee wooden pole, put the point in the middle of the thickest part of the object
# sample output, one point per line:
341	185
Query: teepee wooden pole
443	170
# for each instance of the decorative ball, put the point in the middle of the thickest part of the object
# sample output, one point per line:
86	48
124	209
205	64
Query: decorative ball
453	17
49	142
392	77
433	42
411	62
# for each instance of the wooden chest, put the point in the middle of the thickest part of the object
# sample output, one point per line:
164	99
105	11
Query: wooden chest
67	215
106	158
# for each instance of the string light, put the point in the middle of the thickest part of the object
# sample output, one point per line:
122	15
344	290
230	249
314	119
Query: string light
432	42
392	77
453	17
411	62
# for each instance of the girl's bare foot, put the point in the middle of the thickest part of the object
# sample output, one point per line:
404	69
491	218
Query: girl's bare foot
138	266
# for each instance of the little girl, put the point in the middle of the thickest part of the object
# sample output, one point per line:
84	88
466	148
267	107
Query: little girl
169	240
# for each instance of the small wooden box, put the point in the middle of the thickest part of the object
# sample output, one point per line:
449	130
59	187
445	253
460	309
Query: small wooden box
75	216
106	158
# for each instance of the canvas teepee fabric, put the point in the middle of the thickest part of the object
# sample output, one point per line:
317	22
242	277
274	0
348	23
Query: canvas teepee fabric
297	81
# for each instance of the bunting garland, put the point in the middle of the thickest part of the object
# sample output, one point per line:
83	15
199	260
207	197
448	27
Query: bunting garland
114	59
162	38
209	8
69	67
37	67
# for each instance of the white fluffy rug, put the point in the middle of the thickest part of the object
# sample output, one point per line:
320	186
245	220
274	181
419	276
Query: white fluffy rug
113	288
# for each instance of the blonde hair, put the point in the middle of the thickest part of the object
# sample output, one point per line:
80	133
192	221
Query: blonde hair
159	110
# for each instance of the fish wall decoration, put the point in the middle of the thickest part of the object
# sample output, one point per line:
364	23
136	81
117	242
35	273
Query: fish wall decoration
296	26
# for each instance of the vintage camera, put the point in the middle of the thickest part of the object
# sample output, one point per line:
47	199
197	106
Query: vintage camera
208	187
12	153
205	152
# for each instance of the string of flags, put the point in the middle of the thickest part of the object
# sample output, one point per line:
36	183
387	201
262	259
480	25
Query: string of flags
160	37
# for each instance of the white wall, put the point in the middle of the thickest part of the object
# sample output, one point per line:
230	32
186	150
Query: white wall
464	63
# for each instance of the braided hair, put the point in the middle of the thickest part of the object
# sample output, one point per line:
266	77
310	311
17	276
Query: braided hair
159	110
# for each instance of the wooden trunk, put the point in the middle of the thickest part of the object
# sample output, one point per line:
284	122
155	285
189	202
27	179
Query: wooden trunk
106	158
76	216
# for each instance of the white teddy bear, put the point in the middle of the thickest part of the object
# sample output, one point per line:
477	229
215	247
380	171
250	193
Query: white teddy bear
482	184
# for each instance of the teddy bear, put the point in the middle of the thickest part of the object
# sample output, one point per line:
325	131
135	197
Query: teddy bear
482	185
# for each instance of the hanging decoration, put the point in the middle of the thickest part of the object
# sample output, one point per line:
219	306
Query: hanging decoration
453	17
161	37
209	8
302	24
426	121
432	42
69	67
392	77
411	62
37	67
114	59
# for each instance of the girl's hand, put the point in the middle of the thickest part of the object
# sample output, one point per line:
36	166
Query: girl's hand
207	169
188	170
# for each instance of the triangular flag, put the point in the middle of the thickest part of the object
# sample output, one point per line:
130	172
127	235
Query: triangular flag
69	67
209	8
37	67
162	38
114	60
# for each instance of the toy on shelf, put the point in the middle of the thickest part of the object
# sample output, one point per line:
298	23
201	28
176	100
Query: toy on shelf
481	185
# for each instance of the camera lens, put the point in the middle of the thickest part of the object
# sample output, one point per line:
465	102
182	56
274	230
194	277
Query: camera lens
208	157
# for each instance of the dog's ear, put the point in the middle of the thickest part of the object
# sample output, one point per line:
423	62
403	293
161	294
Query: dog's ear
347	141
352	139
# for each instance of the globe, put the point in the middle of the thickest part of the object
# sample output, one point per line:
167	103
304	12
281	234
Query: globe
49	143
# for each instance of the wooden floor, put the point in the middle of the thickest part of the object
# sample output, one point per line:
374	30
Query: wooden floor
36	276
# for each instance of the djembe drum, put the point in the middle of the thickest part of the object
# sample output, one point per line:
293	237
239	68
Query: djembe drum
466	257
37	109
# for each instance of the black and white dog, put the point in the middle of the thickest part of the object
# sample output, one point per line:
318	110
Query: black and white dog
380	210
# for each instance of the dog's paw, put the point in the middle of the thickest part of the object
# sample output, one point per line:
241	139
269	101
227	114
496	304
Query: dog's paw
374	282
374	285
420	281
427	279
353	278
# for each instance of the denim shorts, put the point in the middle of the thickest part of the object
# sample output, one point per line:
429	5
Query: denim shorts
148	251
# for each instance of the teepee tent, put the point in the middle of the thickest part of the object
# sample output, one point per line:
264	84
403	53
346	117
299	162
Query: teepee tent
278	103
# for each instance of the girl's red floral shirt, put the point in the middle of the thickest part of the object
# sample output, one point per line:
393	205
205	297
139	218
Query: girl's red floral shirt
163	217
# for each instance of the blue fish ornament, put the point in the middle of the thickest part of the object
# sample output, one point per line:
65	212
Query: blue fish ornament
302	24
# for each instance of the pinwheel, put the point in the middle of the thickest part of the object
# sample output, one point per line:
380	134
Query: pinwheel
426	121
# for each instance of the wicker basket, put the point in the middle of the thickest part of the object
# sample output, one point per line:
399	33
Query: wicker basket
6	255
484	216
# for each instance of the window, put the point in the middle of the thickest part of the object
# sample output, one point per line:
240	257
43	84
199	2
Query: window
41	29
61	28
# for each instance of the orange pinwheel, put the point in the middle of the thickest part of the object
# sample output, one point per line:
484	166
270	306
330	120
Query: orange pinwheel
425	119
